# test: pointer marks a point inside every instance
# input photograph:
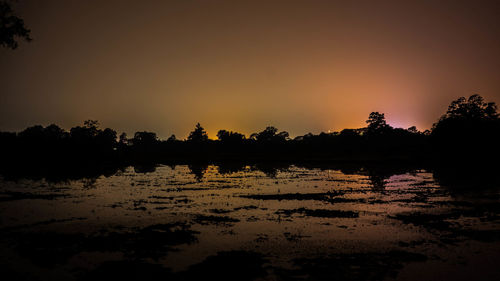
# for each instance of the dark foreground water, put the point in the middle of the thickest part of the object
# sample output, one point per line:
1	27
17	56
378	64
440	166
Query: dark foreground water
211	223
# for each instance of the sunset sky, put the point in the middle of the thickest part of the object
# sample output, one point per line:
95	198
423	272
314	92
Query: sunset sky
302	66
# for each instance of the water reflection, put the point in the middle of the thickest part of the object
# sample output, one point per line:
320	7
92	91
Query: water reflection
198	170
145	168
378	174
245	221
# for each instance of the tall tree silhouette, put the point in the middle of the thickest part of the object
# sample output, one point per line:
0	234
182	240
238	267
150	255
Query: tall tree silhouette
198	134
11	27
376	123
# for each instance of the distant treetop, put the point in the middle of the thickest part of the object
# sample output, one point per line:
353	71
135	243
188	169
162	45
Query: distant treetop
230	137
270	134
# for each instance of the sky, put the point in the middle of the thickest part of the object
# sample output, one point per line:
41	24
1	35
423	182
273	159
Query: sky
301	66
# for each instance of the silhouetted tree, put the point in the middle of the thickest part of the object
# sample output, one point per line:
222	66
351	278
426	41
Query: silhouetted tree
198	134
106	138
54	132
90	142
349	133
348	140
266	135
11	27
229	137
222	134
33	133
376	123
144	139
306	137
270	134
85	133
466	111
473	108
470	128
51	135
283	136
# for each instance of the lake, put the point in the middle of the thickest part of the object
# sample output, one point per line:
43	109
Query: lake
250	222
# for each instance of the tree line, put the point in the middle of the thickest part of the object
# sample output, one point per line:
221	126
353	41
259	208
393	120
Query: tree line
469	129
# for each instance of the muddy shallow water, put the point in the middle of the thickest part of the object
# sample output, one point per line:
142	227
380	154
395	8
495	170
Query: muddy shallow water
290	223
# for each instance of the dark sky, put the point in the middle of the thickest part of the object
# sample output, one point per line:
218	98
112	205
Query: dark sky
302	66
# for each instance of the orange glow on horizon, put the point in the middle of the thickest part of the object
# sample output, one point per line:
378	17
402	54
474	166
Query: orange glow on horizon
299	66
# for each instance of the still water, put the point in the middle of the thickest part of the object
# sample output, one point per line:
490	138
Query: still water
249	223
